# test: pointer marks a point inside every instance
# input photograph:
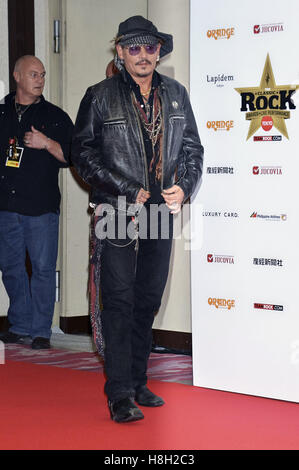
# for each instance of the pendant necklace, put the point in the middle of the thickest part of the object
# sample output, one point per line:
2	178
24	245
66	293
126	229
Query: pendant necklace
145	97
21	108
146	93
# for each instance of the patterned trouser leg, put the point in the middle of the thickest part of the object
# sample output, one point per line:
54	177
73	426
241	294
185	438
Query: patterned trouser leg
95	305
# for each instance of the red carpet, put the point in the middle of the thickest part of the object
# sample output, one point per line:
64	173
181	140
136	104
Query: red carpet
45	407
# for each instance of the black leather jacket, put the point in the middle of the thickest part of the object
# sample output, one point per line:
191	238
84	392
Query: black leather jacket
108	150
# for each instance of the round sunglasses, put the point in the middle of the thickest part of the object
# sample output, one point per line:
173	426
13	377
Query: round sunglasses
149	48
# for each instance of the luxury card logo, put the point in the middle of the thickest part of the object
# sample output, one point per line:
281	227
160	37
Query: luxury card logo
267	105
218	214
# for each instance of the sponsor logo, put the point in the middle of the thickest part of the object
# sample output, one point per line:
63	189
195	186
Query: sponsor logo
268	307
256	29
268	28
211	214
267	262
273	218
225	214
267	138
267	170
217	170
219	80
267	100
267	123
225	259
221	33
220	125
222	303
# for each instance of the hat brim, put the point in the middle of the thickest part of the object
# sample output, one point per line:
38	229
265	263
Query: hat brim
167	43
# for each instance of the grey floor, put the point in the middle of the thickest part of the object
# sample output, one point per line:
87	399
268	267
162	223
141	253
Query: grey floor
59	340
84	343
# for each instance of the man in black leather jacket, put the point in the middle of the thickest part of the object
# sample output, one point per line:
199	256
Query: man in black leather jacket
136	143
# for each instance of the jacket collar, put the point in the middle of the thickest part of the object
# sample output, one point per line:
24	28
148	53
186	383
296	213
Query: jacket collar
9	99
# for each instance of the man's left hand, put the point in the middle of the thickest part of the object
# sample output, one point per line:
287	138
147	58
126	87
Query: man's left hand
174	198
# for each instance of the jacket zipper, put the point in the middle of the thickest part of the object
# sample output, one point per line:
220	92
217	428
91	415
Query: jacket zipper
163	139
110	122
143	149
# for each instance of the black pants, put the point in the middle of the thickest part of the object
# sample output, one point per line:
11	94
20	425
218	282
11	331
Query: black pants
132	285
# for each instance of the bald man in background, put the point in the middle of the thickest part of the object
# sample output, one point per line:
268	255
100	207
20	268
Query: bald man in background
35	138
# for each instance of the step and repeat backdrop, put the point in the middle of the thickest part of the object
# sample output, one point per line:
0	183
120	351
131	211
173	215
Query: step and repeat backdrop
245	217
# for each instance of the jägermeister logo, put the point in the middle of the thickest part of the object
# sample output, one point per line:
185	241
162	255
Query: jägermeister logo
268	99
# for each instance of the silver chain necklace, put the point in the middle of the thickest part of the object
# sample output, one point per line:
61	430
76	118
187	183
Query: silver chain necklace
154	127
21	108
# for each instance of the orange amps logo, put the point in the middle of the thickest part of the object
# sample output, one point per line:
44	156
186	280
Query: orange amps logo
222	303
221	33
220	125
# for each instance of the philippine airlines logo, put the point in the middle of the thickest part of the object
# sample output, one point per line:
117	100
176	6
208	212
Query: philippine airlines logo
225	259
267	170
267	105
222	303
268	28
269	217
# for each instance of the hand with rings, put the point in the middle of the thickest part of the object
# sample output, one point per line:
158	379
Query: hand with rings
35	139
174	198
142	196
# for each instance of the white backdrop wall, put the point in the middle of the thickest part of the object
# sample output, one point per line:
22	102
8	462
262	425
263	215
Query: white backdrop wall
245	275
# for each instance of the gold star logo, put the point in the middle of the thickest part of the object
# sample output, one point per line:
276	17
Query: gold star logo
268	99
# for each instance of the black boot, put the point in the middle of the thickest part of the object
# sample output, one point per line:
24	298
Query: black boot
124	411
145	397
13	338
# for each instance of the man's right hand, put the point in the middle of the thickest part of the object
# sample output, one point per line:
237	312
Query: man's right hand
142	196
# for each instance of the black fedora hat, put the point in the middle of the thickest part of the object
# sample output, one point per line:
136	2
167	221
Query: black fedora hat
139	26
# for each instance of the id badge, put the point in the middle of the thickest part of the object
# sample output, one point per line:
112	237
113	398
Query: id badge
14	161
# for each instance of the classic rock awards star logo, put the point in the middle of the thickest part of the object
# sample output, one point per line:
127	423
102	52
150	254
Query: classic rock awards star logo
267	100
